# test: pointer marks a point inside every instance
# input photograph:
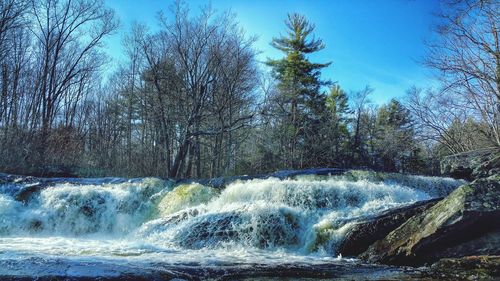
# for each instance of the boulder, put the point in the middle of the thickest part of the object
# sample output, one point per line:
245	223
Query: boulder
472	164
268	228
27	190
365	233
465	223
210	230
489	167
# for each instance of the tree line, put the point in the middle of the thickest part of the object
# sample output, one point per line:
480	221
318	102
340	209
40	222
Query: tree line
190	99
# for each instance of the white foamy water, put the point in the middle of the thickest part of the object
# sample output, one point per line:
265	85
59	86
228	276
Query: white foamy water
266	221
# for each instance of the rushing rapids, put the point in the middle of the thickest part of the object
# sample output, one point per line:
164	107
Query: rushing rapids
121	226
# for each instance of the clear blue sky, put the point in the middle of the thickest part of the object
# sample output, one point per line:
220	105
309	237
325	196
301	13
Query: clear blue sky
369	42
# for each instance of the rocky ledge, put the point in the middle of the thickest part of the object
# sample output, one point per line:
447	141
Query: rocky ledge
465	223
471	165
363	234
457	238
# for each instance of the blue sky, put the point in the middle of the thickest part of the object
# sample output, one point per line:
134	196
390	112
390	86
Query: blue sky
369	42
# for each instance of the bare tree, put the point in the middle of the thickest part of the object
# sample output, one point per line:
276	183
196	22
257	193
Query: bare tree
68	34
360	100
467	55
11	17
199	77
12	14
434	115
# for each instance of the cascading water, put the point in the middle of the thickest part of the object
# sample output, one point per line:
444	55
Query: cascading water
150	221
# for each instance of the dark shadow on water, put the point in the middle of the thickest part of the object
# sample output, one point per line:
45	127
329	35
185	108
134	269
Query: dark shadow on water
62	269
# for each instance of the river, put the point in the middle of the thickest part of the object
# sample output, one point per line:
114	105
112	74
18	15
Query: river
151	228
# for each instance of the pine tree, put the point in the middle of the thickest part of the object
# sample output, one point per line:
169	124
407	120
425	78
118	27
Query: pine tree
397	150
338	134
299	86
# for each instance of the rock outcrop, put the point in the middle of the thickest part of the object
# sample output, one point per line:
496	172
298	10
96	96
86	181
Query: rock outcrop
365	233
473	164
489	167
464	223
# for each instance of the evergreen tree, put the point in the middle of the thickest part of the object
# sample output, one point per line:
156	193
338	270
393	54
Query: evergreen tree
302	104
338	134
396	147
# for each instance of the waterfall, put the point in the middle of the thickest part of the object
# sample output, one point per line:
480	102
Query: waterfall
253	220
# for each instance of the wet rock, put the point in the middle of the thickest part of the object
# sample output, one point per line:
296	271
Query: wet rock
163	224
184	196
464	223
467	268
19	187
180	216
365	233
473	164
27	190
263	230
35	226
8	178
210	230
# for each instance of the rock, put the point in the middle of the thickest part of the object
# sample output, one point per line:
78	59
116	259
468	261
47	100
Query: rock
212	229
467	268
185	196
489	167
181	216
27	190
262	229
473	164
365	233
163	224
464	223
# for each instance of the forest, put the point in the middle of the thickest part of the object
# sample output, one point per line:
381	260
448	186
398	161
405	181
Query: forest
192	100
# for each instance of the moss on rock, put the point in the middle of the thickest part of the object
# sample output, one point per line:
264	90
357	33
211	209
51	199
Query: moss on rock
184	196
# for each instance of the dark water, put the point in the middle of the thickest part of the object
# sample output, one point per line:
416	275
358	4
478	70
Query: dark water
63	269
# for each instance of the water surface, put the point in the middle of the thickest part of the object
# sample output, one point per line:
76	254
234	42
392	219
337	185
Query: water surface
153	229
